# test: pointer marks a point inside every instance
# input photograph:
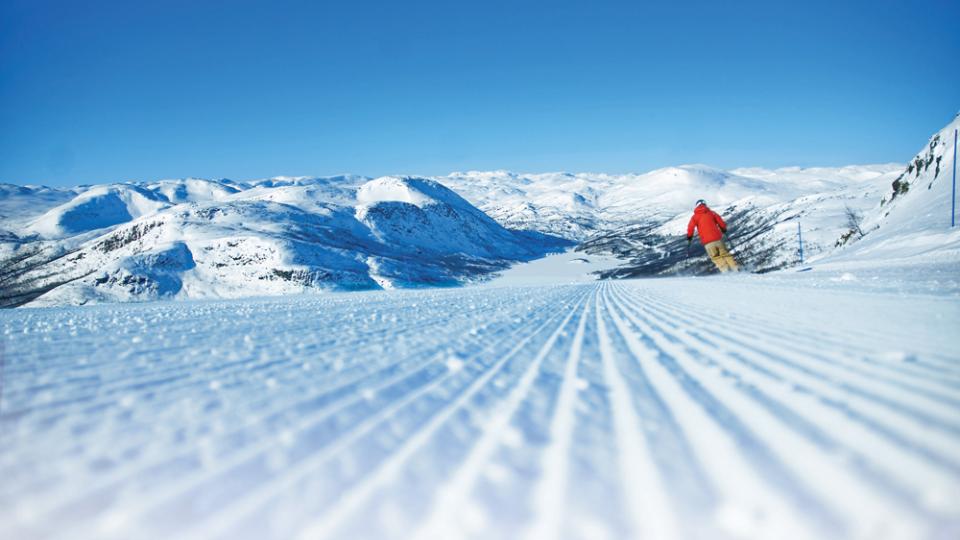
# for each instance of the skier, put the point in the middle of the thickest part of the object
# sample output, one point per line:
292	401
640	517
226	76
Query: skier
711	228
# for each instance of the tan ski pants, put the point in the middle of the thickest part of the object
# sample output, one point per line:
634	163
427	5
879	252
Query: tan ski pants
720	256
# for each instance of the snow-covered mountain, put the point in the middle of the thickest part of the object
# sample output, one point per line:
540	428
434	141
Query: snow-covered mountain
97	208
198	238
888	213
762	232
911	222
581	205
135	242
19	204
763	212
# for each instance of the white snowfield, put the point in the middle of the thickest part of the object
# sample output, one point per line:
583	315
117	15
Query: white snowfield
768	407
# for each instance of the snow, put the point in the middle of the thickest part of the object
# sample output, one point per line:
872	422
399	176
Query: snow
915	225
788	405
812	402
193	190
565	267
290	238
391	188
397	231
293	234
97	208
579	205
20	203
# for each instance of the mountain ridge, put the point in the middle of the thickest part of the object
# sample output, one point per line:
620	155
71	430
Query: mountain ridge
195	238
252	245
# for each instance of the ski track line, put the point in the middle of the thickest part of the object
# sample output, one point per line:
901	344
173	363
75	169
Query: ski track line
353	383
759	462
119	385
789	340
478	391
949	406
836	397
254	458
798	363
203	383
349	504
850	431
824	336
330	415
183	328
599	410
839	338
940	488
505	503
595	502
292	476
696	499
650	516
500	503
690	489
451	497
242	325
552	486
173	395
845	490
268	373
341	390
720	348
835	450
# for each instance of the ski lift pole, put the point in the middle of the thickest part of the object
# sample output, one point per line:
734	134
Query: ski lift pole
953	199
800	240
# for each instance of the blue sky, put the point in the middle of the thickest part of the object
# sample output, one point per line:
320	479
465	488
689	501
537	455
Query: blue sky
107	91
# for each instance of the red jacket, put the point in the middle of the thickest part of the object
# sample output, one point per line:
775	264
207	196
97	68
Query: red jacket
708	222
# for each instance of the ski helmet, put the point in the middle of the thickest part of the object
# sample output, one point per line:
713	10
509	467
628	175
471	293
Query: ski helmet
699	202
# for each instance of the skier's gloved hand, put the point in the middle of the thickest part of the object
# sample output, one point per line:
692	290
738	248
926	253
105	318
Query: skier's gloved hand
689	239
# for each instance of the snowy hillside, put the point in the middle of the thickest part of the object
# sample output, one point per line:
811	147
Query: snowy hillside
97	208
821	404
642	218
194	190
912	221
578	206
678	408
270	244
128	242
20	204
871	214
24	202
762	231
197	238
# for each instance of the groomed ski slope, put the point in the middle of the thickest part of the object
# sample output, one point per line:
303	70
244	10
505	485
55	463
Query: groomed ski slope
737	407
